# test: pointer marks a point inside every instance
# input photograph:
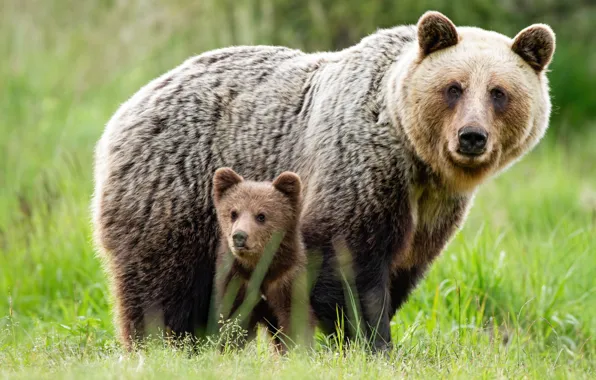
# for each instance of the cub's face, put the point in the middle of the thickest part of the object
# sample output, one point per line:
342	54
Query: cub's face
250	213
474	101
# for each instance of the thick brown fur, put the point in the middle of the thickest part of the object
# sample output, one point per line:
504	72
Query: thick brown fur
239	205
374	131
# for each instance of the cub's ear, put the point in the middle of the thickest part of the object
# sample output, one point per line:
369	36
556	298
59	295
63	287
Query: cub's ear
290	184
536	45
435	32
223	180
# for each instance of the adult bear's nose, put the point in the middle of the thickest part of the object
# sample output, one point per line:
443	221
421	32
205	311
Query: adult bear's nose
472	140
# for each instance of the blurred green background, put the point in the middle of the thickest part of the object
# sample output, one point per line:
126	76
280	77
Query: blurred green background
525	262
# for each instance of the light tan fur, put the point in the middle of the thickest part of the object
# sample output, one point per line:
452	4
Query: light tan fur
479	61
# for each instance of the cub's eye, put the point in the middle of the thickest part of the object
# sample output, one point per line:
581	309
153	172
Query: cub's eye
453	93
261	218
234	215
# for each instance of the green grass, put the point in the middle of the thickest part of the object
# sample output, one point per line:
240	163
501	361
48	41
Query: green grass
514	295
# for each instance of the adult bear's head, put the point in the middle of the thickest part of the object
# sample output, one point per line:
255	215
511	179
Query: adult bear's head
472	101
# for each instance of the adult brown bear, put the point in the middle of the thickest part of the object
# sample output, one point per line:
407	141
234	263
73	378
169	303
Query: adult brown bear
391	138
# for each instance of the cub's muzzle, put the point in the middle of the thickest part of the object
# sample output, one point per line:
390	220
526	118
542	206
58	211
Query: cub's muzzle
239	239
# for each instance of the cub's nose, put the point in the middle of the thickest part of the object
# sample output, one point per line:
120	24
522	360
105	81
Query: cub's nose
239	239
472	140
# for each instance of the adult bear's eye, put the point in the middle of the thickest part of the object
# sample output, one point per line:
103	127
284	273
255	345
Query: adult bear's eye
234	215
261	218
497	94
499	98
453	93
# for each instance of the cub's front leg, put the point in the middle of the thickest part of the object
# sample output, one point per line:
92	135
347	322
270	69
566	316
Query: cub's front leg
290	304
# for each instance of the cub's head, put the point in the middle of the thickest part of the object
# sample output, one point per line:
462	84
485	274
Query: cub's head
249	213
472	101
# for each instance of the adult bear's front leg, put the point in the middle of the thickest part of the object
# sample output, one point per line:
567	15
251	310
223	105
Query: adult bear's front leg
373	288
364	270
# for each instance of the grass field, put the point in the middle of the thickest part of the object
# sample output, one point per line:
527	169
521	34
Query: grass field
513	296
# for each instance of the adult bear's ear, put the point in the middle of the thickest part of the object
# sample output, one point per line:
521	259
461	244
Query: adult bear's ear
435	32
536	45
289	184
223	180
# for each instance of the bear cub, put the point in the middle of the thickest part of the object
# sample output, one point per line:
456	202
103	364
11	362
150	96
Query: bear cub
261	260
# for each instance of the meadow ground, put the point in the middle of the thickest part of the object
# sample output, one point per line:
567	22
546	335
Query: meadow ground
513	296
